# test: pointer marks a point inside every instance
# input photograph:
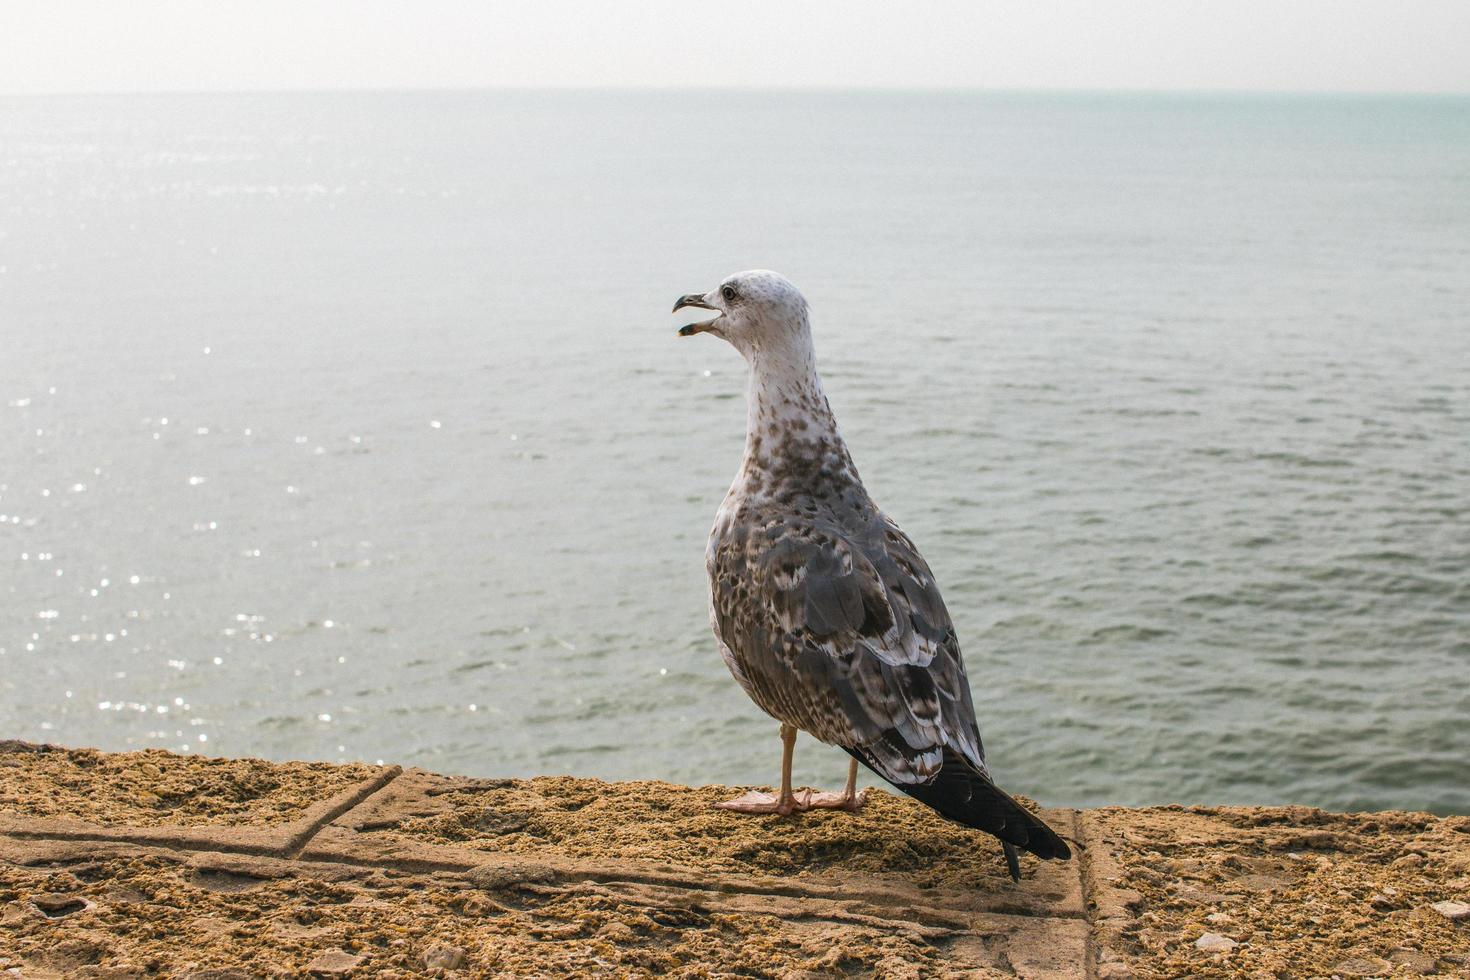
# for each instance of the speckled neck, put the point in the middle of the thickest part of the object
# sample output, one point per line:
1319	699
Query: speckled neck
792	443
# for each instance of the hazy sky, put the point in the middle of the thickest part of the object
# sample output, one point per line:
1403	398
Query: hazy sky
1307	45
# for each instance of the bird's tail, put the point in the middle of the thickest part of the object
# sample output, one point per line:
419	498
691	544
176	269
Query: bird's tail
1013	859
961	793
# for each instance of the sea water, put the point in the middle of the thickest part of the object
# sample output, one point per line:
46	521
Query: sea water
355	426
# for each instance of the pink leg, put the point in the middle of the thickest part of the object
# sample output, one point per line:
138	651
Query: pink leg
787	802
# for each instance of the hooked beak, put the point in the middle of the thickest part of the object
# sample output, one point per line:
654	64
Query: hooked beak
697	300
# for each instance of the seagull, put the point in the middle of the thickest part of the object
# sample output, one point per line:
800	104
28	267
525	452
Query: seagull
822	607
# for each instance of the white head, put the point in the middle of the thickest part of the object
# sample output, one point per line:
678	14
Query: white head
757	312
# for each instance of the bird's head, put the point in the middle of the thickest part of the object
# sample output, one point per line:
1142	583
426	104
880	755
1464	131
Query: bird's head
754	311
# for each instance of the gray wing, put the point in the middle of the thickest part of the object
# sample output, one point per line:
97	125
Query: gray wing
846	636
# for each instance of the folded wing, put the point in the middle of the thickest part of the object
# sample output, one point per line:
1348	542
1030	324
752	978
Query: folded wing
847	637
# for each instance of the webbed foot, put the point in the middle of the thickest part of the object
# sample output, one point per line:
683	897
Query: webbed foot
756	802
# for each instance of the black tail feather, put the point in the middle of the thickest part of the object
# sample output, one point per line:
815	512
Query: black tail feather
965	796
1013	860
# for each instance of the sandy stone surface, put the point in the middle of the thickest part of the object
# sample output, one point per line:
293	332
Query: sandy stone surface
662	822
1299	892
376	872
156	788
151	915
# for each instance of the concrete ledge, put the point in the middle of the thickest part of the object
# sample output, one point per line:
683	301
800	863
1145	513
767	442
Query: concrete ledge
148	864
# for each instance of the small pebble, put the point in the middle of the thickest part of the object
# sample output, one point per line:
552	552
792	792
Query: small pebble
442	956
1359	966
1213	942
1454	911
334	962
619	932
1219	918
1413	960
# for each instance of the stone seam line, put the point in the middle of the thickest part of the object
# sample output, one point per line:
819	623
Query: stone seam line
1088	884
346	801
203	845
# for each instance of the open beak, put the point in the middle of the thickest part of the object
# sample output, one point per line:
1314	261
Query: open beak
697	300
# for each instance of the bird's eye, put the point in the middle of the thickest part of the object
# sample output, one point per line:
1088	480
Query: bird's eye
728	292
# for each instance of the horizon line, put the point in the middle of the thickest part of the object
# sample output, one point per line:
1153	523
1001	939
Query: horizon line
827	89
